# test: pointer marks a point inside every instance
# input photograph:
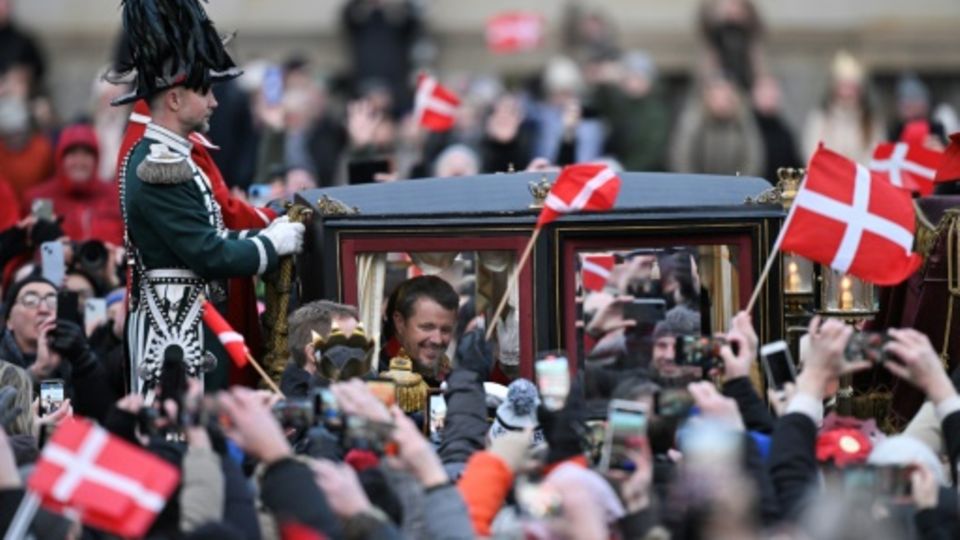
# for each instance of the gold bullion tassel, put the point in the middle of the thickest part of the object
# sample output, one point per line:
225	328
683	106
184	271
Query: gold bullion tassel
412	390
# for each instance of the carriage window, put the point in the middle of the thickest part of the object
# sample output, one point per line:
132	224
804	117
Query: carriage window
479	278
643	308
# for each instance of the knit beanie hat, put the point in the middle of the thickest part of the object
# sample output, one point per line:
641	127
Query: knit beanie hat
518	412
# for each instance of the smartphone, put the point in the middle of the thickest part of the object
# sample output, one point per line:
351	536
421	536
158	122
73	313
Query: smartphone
437	417
777	364
363	434
867	346
626	431
42	209
53	265
68	307
94	313
51	395
326	406
882	480
273	86
672	402
297	413
553	381
648	311
701	351
366	171
384	390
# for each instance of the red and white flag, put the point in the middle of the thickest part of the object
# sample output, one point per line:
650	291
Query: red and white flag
232	341
908	166
590	187
514	31
854	222
435	106
111	484
595	271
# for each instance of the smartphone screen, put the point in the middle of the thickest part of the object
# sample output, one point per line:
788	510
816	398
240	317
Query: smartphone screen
553	381
365	172
51	395
645	310
52	262
777	364
68	306
438	415
626	431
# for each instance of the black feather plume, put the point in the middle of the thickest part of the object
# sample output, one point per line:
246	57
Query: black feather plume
172	42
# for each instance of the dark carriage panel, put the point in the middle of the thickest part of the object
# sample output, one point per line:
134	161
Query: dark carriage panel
494	212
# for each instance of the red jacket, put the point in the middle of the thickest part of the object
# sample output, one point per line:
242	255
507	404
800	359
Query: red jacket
90	209
27	166
237	215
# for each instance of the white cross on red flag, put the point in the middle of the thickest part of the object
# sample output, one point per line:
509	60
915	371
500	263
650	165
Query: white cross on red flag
514	31
588	187
908	166
113	485
435	106
854	222
595	271
232	341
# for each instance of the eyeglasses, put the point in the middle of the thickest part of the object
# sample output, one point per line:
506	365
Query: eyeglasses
32	300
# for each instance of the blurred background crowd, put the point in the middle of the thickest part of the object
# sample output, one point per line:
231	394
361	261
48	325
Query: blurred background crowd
718	88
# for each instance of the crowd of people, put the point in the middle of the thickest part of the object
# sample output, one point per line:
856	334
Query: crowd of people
444	452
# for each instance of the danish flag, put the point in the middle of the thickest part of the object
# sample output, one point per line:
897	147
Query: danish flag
112	484
908	166
232	341
854	222
435	107
591	187
595	271
514	31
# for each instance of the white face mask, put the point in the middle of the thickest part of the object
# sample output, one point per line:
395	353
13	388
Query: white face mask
14	116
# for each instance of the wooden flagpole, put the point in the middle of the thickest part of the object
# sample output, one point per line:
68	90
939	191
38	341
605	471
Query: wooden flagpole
512	282
263	375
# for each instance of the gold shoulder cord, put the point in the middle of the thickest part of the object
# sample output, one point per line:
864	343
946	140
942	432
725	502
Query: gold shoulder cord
952	223
277	300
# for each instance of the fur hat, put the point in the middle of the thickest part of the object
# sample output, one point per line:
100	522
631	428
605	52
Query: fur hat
519	411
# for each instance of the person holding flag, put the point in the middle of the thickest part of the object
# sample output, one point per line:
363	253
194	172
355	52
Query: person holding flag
176	238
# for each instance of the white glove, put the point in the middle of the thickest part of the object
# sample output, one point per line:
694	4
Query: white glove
286	237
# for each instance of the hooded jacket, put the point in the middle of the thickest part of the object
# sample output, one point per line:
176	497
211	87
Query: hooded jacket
90	209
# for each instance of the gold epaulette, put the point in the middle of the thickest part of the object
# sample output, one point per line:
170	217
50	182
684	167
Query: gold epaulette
412	390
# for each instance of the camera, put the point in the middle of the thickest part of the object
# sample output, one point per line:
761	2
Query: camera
301	413
92	256
867	346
